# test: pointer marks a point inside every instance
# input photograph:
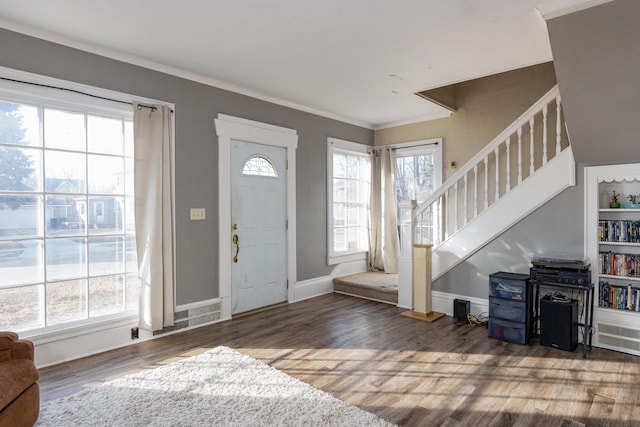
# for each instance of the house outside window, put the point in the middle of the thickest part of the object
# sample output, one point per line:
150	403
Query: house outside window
418	174
349	184
67	235
418	171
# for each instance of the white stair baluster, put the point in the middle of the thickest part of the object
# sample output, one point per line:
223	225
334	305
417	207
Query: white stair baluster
440	223
475	191
426	229
486	182
497	151
558	125
519	155
455	208
447	224
466	197
433	214
426	225
531	168
508	142
419	234
544	134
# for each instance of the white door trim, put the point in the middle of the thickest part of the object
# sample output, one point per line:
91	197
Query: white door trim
228	128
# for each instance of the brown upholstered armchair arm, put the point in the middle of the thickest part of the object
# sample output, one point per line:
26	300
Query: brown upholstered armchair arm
13	348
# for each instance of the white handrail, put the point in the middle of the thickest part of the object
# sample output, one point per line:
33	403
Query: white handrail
524	118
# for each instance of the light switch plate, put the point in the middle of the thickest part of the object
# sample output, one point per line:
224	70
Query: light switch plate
197	214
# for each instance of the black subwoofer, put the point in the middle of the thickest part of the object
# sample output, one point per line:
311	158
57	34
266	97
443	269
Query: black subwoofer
461	310
559	323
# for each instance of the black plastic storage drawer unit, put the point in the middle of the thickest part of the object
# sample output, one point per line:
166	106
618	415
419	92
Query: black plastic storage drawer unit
506	309
509	286
510	307
508	331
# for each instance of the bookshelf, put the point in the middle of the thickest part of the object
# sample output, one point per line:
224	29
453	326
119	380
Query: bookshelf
612	245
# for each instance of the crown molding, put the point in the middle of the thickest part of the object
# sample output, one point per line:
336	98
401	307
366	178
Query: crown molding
84	46
440	115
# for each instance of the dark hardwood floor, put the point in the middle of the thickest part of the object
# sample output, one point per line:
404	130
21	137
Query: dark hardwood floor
405	371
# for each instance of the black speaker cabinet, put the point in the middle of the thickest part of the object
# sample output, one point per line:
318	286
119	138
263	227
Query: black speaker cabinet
461	310
559	324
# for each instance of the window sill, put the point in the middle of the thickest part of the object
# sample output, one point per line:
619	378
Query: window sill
334	259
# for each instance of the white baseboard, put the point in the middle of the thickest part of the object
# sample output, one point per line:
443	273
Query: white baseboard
351	267
62	349
443	303
315	287
55	352
311	288
62	346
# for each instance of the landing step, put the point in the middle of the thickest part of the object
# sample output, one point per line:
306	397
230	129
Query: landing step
376	286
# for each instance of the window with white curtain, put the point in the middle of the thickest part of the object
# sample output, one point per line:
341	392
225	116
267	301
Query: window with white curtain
67	235
418	175
349	186
418	170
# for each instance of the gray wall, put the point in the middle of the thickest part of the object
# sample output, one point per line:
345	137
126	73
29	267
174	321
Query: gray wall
597	56
555	229
196	105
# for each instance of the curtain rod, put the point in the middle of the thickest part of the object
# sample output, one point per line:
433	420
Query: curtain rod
393	147
140	106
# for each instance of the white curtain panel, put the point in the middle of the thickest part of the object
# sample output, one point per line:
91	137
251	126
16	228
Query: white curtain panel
375	213
391	242
153	214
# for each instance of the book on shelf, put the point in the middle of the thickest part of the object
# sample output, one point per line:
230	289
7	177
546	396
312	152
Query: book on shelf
621	297
625	231
619	264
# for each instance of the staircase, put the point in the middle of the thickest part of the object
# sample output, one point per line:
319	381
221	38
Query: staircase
526	165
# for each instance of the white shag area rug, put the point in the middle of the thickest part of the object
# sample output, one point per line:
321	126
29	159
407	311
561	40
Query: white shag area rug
218	388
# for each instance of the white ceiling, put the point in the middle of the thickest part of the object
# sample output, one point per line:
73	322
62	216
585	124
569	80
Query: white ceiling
359	61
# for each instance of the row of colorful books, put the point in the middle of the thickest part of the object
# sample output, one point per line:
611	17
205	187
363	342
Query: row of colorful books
620	297
619	231
617	264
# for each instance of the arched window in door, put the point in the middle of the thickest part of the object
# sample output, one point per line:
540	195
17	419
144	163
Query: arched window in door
259	166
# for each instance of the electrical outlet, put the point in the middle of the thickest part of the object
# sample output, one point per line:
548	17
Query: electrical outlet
134	333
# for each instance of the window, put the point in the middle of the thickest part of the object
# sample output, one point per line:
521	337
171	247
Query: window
259	166
418	175
418	171
67	235
349	172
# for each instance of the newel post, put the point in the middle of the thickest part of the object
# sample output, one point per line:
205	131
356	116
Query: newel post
405	263
422	307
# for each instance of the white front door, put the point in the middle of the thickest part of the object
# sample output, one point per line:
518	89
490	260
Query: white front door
259	230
